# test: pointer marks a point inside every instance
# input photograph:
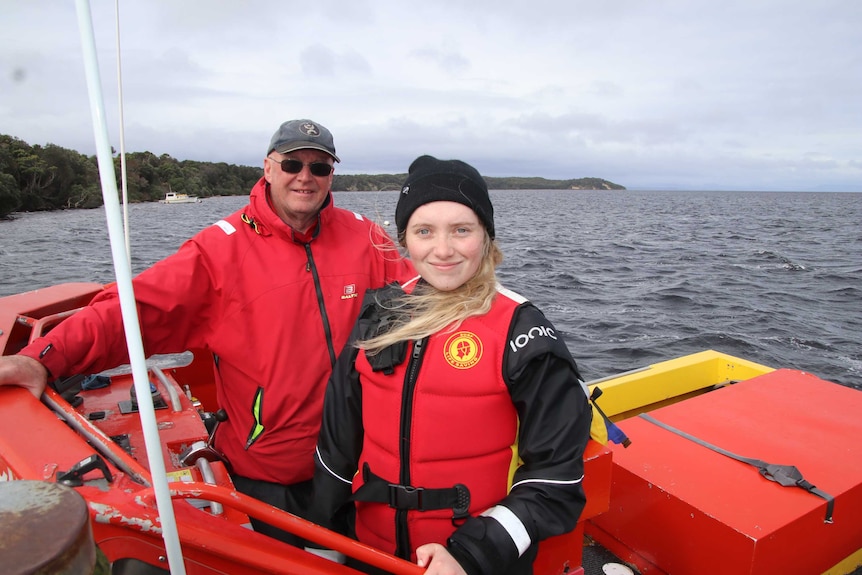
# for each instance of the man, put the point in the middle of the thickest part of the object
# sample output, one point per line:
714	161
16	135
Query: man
272	291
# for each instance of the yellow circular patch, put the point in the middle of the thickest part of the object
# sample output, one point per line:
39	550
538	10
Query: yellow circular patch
463	350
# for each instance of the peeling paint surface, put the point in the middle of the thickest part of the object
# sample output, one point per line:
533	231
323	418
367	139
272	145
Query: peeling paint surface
107	514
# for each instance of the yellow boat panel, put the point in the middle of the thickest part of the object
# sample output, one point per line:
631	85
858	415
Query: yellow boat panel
848	565
640	390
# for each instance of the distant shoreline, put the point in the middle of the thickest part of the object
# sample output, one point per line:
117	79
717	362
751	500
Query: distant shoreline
48	178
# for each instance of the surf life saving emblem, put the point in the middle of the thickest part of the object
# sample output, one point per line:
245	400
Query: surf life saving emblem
463	350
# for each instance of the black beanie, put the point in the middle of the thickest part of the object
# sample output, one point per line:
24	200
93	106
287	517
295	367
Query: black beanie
432	180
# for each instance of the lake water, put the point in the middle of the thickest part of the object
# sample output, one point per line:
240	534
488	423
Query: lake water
630	278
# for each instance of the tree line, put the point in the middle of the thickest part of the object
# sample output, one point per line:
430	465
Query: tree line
50	177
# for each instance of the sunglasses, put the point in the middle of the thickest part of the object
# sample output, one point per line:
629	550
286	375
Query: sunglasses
319	169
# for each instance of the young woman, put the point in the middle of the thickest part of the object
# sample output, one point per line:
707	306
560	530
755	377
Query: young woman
454	427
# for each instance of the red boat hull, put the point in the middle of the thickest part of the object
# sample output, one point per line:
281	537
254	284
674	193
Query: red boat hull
677	506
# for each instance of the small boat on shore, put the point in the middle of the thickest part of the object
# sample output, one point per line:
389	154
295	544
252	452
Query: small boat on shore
178	198
668	503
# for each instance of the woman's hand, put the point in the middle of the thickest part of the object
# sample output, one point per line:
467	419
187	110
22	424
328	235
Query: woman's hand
437	560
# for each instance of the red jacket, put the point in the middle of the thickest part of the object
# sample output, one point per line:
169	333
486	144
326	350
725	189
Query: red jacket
274	312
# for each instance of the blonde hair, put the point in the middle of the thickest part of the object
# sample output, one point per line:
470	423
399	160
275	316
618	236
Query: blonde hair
427	310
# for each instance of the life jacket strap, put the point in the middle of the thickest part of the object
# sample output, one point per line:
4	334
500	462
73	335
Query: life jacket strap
377	490
784	475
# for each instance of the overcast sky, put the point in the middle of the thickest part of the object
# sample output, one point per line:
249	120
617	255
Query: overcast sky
655	94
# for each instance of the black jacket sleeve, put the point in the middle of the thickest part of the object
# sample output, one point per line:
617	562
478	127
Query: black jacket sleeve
338	448
547	496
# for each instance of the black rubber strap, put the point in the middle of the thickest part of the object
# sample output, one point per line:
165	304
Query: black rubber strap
377	490
784	475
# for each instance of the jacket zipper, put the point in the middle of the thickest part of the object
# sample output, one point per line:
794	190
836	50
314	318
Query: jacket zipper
327	330
402	537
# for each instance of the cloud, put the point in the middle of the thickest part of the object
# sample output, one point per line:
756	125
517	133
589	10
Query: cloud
733	95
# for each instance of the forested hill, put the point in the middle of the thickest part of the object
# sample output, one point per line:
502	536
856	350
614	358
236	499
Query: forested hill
36	178
364	182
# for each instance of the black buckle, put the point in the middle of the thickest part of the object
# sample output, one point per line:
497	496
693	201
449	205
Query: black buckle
405	497
456	498
462	501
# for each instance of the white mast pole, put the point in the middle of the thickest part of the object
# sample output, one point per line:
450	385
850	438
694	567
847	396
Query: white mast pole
122	139
127	297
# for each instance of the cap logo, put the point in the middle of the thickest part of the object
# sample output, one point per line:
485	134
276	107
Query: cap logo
309	129
405	189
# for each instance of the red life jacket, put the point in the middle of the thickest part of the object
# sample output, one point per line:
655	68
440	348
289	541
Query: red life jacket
458	421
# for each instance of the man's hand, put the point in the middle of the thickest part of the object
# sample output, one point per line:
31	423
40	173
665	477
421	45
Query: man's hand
437	560
25	372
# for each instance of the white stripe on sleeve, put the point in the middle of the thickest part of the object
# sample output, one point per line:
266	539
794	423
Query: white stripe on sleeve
512	525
